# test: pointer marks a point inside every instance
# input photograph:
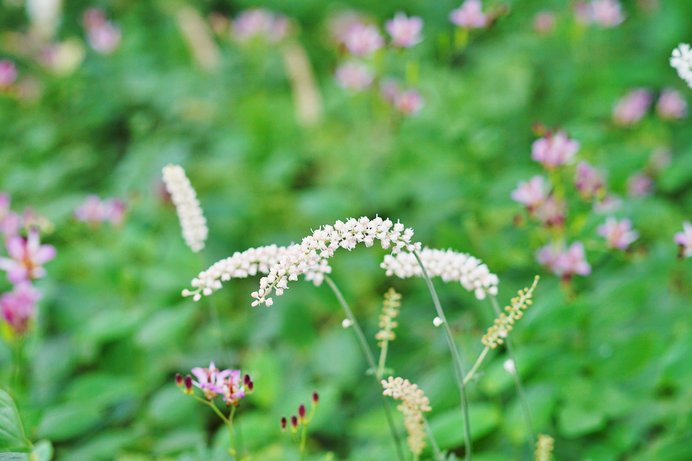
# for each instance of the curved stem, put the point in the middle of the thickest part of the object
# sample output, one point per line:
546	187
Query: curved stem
517	380
439	456
456	358
476	365
371	362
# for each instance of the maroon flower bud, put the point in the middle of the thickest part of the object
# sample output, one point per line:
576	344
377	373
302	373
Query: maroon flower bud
178	379
315	398
294	422
301	411
250	386
283	423
247	380
188	384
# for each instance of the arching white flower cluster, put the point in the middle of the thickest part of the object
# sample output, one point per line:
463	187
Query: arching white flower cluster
449	265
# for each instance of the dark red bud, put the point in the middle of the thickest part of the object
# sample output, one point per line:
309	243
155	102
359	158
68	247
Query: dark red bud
178	379
247	380
301	411
294	422
250	386
315	397
283	423
188	383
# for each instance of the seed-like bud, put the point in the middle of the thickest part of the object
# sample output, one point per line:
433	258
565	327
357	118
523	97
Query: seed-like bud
178	379
294	422
283	423
188	384
315	398
250	386
301	412
247	379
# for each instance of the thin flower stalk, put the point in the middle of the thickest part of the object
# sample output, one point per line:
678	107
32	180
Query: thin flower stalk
456	358
504	322
390	311
369	357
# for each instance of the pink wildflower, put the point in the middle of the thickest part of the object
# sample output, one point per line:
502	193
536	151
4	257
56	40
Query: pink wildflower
405	31
8	73
531	193
547	256
639	185
469	15
211	381
671	105
95	211
354	76
564	262
684	240
554	149
258	23
607	13
588	181
27	257
9	222
363	40
408	102
234	390
552	212
19	305
632	107
618	234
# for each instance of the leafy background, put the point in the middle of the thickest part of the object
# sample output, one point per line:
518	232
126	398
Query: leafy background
607	371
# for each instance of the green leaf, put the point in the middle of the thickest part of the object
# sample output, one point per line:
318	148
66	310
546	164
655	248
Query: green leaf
575	421
43	451
11	430
68	421
448	427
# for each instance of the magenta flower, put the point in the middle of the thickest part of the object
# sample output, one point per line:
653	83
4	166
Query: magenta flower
671	105
544	22
26	257
639	185
469	15
19	306
363	39
531	193
684	240
588	181
8	73
554	149
258	23
102	35
632	107
354	76
564	263
552	212
234	390
211	381
408	102
618	234
405	31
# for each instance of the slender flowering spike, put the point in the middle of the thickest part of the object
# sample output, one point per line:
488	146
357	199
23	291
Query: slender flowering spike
531	193
390	311
362	39
315	398
554	149
259	24
310	258
283	423
354	76
632	107
19	306
413	404
8	73
449	265
544	447
192	220
618	234
505	322
681	61
26	257
684	240
469	15
671	105
405	31
589	181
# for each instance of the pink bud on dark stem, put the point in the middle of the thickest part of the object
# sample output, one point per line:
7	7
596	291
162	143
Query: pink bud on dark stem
315	398
301	411
294	422
283	423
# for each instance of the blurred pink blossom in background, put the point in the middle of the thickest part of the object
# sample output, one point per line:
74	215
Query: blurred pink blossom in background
405	31
639	185
261	24
469	15
26	257
684	240
544	22
531	193
354	76
19	306
632	107
671	105
363	39
605	13
564	262
8	73
408	102
588	181
96	211
554	149
618	234
102	35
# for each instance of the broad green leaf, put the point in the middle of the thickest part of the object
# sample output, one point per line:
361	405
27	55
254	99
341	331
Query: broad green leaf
448	427
12	435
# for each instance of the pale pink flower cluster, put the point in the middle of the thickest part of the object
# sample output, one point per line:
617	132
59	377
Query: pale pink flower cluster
632	107
681	61
310	257
531	193
405	31
363	39
684	240
95	211
259	24
213	382
564	262
671	105
192	221
469	15
19	306
618	234
413	404
605	13
589	181
405	101
354	76
26	257
8	73
554	149
103	36
449	265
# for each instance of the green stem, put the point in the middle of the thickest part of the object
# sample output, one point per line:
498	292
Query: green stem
456	359
303	441
476	365
383	359
439	456
231	433
517	380
371	362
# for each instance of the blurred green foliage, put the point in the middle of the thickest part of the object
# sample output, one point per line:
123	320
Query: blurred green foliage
607	371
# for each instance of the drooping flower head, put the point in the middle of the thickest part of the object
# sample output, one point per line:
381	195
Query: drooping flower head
26	257
405	31
589	181
192	221
681	61
469	15
354	76
684	240
19	306
632	107
554	149
363	39
618	234
671	105
531	193
8	73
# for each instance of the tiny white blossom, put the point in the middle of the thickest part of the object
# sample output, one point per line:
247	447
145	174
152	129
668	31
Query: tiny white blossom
509	366
192	221
346	323
437	322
